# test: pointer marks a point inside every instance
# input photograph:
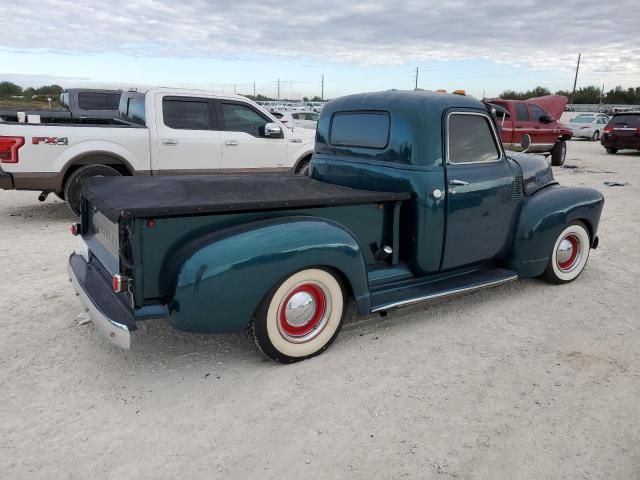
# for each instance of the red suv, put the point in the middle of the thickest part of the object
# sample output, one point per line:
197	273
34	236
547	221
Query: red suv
622	132
537	118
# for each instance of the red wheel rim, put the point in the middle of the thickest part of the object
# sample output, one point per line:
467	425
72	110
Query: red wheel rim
575	250
309	317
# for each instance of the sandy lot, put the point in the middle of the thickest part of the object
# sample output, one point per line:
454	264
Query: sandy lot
526	381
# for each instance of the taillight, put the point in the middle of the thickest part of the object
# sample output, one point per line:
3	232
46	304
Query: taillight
608	129
120	283
9	149
76	229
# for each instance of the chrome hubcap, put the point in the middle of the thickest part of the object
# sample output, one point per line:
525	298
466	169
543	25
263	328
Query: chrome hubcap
565	251
300	309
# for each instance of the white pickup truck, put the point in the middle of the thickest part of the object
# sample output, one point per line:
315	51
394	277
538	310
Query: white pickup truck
157	132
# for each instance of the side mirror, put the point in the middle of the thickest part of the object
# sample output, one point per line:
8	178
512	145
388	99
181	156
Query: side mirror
272	130
525	142
545	119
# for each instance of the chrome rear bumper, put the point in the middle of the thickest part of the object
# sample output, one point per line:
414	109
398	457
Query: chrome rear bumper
114	331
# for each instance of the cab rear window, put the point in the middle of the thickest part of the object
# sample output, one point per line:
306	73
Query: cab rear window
632	121
360	129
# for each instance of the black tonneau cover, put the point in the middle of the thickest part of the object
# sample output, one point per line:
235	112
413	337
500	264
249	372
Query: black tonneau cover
157	196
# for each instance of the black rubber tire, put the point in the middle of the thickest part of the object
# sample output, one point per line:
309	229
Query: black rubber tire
258	330
596	136
72	186
611	150
303	168
559	153
550	274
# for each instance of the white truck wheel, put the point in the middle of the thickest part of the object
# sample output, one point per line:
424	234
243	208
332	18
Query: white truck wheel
299	318
569	255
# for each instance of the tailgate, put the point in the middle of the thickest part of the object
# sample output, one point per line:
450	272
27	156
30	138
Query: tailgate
102	238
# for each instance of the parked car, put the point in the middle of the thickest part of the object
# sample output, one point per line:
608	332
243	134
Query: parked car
536	117
158	132
280	255
588	125
314	106
622	132
77	104
299	119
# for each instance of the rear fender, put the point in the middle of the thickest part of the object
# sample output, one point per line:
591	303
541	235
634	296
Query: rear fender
215	283
543	217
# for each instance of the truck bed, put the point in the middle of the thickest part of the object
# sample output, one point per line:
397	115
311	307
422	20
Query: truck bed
163	196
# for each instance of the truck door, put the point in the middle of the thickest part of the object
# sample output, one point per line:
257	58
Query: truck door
244	145
480	189
542	135
188	138
521	125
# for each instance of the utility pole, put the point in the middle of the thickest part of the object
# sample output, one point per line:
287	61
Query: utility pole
602	94
417	73
322	87
278	89
575	81
254	89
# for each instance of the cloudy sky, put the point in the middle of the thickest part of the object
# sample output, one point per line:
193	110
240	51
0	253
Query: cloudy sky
482	46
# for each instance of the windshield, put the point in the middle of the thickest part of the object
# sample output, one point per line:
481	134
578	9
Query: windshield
583	119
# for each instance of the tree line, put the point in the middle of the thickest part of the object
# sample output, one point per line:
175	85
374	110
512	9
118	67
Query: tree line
9	89
588	95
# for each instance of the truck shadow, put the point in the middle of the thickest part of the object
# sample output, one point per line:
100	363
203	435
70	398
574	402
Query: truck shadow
50	211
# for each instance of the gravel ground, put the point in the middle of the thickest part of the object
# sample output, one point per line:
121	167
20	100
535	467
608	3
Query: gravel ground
525	381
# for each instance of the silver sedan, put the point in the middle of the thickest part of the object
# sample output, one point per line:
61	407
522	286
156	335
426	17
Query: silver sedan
588	125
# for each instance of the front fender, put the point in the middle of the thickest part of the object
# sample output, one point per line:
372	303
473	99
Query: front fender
220	279
544	215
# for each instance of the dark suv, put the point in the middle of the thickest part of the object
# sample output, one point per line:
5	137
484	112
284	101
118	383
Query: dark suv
622	131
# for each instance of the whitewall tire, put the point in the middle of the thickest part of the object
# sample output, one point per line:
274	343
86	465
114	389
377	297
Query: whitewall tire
569	254
300	317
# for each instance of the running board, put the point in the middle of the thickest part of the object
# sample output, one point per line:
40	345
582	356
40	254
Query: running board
470	282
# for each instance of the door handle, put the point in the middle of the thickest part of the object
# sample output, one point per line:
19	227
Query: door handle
170	142
231	143
458	183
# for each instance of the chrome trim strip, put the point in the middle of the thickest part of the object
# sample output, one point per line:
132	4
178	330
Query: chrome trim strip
448	293
114	332
496	138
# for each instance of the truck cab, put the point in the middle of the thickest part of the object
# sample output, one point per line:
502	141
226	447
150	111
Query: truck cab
411	198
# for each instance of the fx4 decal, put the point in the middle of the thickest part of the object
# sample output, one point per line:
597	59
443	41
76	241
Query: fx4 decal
50	140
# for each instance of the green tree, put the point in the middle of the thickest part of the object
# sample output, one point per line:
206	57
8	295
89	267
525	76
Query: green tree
8	89
51	90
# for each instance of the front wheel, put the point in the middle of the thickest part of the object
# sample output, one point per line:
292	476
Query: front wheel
559	153
569	255
300	317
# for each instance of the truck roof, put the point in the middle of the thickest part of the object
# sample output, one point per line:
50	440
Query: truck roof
193	92
404	101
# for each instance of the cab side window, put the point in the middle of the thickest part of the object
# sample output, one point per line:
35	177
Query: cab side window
471	139
241	118
183	113
522	114
536	113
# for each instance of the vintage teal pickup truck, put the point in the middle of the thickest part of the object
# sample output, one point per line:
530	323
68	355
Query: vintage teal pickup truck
411	198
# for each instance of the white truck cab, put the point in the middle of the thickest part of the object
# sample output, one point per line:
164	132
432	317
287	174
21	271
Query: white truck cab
158	132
